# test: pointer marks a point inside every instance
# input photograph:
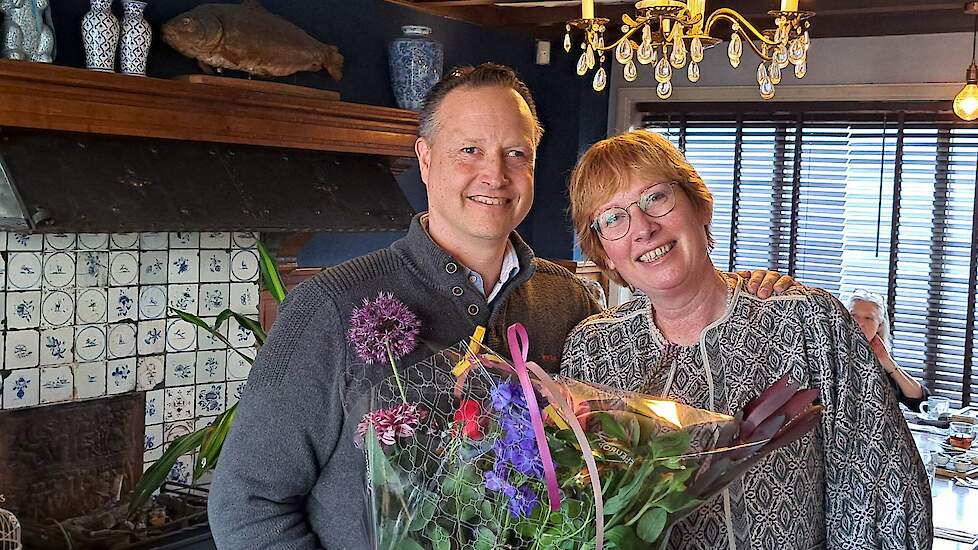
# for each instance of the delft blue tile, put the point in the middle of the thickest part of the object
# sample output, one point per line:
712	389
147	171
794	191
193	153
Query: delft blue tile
57	308
183	298
59	270
153	267
152	302
180	336
151	337
211	366
173	430
238	335
123	303
207	341
59	241
154	407
93	241
152	443
121	340
238	368
23	242
213	298
210	399
184	266
185	239
244	266
3	272
56	346
215	240
244	298
91	306
90	343
124	241
244	239
24	271
182	470
178	403
123	268
21	349
120	376
89	380
215	266
22	389
153	241
180	368
149	372
23	309
202	422
91	268
234	391
57	384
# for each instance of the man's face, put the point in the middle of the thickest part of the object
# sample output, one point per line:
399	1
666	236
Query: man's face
478	165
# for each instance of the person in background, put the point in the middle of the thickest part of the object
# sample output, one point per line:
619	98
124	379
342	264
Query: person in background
869	311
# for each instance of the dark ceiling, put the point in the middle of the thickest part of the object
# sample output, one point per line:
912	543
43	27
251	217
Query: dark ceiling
833	17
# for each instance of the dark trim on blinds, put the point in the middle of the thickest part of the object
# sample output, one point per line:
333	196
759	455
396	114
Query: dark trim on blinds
937	247
969	335
682	132
895	220
735	192
795	197
777	188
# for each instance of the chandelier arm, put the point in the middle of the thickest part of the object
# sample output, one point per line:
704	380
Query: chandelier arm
734	17
616	42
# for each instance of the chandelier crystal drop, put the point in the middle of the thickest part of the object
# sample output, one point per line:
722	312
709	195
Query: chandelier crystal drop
683	31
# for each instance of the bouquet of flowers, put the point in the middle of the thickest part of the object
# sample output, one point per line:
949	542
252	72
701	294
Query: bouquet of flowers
468	450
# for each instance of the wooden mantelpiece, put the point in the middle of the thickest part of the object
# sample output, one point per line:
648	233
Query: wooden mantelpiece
42	96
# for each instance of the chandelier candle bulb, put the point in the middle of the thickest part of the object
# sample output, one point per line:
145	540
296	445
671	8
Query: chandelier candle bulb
697	8
587	9
789	5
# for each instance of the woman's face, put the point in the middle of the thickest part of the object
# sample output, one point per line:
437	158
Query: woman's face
657	254
867	316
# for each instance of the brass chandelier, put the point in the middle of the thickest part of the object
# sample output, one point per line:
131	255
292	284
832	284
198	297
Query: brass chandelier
674	34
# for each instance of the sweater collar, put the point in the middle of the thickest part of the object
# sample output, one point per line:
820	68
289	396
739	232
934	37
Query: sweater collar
437	267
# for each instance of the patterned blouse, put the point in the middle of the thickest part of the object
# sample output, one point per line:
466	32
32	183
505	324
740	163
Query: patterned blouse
856	482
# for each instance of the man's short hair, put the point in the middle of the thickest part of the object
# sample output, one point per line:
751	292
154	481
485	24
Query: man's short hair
484	75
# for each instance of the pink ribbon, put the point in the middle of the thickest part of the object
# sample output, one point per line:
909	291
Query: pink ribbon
519	346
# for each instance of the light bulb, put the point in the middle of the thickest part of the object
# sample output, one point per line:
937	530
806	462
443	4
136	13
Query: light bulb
966	102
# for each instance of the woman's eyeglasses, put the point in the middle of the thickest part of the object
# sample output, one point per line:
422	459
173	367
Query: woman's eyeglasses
655	202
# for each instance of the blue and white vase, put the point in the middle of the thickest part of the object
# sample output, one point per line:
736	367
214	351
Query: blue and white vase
136	38
416	65
100	36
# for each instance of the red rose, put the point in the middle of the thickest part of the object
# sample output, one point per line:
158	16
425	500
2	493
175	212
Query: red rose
469	418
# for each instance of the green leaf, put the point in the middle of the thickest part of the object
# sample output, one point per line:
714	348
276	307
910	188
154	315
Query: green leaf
651	525
440	539
425	510
624	537
675	501
670	444
252	325
154	477
485	539
215	330
407	543
617	503
611	426
211	447
270	275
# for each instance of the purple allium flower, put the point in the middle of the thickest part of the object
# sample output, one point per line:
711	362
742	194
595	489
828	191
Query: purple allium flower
381	324
398	421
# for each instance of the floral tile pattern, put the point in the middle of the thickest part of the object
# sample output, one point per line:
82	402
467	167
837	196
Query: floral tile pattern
87	315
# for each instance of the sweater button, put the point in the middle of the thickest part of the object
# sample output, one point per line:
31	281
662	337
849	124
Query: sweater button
473	309
457	290
451	268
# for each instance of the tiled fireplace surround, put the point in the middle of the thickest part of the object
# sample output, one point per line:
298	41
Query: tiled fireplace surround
85	316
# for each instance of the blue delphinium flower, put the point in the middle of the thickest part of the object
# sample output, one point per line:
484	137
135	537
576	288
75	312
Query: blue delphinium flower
515	450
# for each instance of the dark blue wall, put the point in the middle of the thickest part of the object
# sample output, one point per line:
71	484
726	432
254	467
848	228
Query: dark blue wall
573	115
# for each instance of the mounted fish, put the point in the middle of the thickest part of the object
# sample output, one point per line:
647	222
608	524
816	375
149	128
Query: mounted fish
247	37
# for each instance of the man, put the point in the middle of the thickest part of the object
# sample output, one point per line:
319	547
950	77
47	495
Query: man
289	475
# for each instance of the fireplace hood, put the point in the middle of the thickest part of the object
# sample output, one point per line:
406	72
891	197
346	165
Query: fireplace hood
82	151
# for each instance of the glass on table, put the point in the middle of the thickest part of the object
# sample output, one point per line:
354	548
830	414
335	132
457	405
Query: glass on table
961	435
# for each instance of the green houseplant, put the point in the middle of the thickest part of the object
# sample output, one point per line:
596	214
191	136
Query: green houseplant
208	441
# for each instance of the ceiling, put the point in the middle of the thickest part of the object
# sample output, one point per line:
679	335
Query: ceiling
545	18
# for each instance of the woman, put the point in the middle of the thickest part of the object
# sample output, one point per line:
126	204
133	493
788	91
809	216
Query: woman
642	213
869	311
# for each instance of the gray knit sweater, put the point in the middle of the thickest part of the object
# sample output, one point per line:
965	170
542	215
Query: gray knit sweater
288	477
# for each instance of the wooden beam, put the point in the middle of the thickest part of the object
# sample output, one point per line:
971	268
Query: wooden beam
44	96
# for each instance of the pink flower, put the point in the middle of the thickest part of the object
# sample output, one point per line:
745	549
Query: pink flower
389	424
383	325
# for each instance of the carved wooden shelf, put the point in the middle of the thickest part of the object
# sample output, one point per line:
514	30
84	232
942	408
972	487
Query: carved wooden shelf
38	95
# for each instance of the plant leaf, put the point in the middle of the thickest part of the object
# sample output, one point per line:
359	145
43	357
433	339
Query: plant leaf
611	426
212	445
651	525
270	274
154	477
624	537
